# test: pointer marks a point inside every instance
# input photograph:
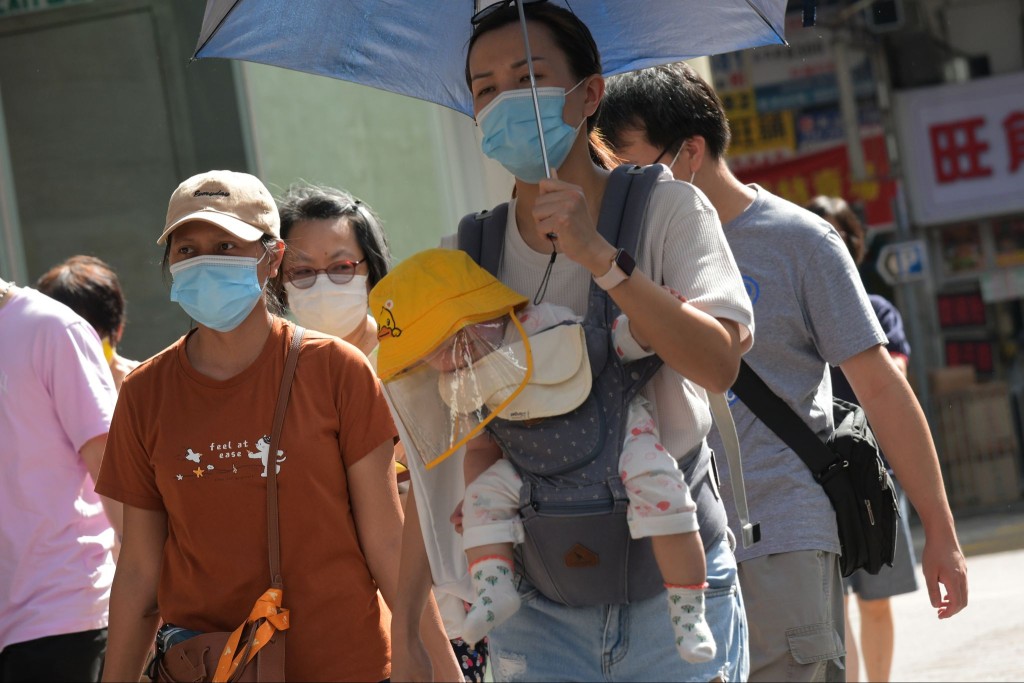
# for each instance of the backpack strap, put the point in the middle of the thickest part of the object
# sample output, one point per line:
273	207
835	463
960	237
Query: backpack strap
624	206
482	236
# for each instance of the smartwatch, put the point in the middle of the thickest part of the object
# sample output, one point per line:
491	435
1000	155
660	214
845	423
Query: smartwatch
621	268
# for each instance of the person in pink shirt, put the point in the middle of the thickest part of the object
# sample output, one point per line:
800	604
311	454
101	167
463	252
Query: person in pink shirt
56	542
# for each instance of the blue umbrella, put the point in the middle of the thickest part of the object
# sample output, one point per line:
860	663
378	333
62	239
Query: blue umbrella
418	47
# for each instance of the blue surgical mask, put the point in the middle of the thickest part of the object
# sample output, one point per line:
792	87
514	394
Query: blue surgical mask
509	126
217	291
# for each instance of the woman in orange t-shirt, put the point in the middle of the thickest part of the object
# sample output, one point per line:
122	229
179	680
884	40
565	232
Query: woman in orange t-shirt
188	456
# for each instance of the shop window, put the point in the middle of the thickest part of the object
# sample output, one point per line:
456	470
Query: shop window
961	310
973	352
1008	235
961	249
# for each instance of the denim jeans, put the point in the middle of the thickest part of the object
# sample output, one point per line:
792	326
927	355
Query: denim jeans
548	641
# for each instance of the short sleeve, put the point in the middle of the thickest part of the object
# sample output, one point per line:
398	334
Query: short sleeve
127	474
365	417
839	315
79	380
694	257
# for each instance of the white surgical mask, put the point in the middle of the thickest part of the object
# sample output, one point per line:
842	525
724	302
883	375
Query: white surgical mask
327	307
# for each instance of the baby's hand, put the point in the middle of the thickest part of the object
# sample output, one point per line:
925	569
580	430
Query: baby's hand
674	293
456	518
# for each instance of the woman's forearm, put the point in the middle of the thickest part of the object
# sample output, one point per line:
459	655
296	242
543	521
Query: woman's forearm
416	620
134	614
133	623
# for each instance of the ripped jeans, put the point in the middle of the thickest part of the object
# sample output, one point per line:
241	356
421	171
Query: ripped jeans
548	641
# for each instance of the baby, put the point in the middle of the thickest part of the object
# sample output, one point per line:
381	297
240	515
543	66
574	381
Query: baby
660	505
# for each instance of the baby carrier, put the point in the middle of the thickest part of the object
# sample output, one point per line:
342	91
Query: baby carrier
577	548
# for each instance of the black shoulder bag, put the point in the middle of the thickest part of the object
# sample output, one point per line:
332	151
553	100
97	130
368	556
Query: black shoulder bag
848	466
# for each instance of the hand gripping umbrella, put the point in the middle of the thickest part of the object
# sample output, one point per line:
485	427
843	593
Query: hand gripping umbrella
418	47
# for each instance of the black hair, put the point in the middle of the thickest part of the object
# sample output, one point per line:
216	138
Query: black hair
843	218
89	287
307	202
668	104
574	40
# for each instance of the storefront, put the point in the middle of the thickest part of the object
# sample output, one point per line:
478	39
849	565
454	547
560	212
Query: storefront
963	154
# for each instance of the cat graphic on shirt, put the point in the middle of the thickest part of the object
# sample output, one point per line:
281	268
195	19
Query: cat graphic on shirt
263	451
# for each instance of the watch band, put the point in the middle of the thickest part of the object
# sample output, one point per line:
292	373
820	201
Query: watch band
621	268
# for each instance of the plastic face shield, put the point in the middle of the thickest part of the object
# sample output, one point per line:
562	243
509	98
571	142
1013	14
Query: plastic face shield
447	397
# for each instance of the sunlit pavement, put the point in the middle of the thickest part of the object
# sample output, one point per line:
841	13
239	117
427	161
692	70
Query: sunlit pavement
985	642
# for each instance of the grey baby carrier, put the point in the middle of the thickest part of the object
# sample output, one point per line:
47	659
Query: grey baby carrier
577	548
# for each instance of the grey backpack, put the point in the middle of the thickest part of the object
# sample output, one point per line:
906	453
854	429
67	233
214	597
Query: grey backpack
577	548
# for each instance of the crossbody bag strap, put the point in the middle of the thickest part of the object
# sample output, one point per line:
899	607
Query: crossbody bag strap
781	419
273	526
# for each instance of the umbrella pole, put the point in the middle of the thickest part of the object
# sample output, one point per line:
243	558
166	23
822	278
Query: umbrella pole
533	91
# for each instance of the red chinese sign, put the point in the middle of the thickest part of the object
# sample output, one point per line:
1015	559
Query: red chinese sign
828	172
963	149
957	147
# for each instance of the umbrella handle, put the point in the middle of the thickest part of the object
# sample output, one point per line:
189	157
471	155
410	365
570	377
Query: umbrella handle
533	91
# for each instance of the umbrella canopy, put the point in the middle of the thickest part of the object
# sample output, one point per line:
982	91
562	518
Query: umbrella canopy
418	47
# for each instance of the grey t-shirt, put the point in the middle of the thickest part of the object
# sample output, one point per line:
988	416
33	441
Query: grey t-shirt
811	310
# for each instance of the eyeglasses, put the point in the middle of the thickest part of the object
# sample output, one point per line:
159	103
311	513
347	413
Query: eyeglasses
498	6
339	273
666	150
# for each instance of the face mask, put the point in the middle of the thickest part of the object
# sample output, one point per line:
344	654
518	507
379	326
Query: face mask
509	127
217	291
327	307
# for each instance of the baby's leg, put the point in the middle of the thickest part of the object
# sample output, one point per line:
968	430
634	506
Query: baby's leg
660	506
491	525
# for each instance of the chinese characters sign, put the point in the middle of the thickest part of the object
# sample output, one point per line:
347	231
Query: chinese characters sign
828	172
963	147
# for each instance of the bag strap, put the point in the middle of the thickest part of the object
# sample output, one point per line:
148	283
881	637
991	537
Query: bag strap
624	205
482	236
781	419
273	525
268	619
751	532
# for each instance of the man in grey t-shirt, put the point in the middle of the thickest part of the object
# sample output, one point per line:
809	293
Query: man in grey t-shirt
811	311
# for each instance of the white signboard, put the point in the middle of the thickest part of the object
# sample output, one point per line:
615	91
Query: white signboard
1005	284
963	148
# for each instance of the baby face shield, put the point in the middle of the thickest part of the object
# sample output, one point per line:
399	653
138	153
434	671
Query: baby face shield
445	324
447	398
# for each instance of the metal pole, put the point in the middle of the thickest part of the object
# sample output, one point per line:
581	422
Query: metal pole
848	108
533	90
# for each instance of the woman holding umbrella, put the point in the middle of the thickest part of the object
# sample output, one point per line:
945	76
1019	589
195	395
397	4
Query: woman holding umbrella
682	248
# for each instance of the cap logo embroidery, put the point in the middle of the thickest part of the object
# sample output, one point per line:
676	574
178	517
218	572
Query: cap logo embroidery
216	193
388	327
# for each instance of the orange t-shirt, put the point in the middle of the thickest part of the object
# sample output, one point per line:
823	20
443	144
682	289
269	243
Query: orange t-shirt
196	448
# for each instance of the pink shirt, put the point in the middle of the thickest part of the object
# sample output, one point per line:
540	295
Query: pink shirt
56	394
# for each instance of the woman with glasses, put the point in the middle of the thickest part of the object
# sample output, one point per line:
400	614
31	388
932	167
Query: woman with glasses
337	251
189	454
682	254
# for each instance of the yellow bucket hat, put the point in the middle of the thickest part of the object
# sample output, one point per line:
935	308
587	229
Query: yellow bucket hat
429	297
